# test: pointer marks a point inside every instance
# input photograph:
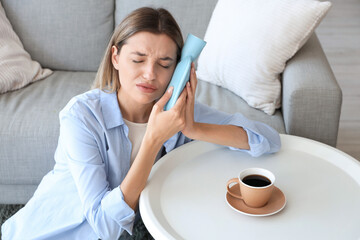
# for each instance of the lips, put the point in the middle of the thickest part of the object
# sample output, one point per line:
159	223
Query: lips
146	87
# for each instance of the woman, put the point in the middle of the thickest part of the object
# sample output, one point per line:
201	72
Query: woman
111	136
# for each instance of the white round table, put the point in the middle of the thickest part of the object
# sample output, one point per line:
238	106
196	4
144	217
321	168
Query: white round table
185	194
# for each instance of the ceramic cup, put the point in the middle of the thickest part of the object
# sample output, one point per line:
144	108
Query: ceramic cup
256	186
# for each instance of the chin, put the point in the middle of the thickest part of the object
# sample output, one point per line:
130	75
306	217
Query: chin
147	100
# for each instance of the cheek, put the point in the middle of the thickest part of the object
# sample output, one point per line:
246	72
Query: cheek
169	73
127	73
165	80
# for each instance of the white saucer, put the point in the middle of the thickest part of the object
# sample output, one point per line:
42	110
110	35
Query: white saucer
276	203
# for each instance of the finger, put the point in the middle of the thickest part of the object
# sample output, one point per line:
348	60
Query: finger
190	92
183	109
190	101
165	98
183	96
181	100
193	78
184	104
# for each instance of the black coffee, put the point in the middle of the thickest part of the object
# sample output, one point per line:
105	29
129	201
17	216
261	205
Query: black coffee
256	181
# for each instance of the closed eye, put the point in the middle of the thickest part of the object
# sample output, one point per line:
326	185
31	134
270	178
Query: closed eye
165	66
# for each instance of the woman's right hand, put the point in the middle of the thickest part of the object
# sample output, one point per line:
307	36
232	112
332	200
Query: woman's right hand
164	124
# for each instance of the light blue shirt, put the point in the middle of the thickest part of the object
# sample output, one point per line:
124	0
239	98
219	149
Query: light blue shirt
81	198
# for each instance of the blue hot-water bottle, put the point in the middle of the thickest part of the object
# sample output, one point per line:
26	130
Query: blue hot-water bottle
191	50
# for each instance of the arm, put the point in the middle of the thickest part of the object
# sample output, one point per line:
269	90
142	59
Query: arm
234	131
104	208
161	126
227	135
136	178
261	138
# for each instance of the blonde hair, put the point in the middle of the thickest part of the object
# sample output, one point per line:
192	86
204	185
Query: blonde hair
143	19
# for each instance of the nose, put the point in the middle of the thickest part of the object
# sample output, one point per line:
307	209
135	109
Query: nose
149	71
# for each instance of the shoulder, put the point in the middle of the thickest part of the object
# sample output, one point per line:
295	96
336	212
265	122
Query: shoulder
83	105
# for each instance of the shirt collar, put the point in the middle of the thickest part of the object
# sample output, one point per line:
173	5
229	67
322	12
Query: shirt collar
110	109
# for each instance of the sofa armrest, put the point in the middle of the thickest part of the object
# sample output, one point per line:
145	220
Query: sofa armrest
311	96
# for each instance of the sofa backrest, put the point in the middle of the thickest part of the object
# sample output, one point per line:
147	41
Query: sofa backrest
193	16
63	35
73	34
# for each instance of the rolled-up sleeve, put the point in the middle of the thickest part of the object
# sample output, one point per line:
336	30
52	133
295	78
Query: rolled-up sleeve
104	208
261	137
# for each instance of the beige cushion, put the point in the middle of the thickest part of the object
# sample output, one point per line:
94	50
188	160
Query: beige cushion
16	67
249	42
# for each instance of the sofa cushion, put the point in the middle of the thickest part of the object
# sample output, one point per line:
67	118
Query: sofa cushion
29	125
16	67
63	35
197	13
224	100
249	42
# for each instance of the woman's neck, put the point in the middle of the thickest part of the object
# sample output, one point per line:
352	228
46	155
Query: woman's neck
133	111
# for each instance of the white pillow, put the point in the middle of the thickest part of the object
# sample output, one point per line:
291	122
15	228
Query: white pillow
16	67
249	42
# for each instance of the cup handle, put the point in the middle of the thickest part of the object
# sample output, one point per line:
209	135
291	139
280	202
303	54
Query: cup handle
229	191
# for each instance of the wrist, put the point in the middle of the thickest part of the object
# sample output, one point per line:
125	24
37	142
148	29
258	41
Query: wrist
153	141
194	132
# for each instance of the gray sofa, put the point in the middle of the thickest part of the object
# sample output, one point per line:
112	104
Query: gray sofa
69	37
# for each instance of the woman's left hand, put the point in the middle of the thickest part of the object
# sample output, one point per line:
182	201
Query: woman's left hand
190	125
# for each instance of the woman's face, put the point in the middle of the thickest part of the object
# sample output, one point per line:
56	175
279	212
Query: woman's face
145	64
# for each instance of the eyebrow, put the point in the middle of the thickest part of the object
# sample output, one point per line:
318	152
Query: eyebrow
143	54
138	53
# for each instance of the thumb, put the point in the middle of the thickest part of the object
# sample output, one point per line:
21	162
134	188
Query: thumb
165	98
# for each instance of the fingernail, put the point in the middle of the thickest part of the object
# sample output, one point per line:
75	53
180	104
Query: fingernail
170	89
188	84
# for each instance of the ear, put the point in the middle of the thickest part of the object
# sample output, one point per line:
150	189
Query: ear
115	57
